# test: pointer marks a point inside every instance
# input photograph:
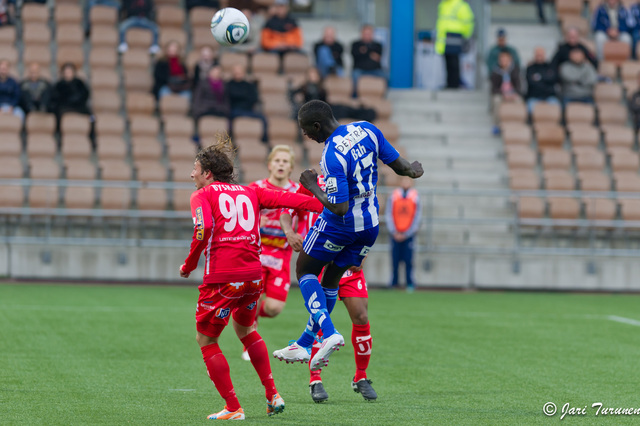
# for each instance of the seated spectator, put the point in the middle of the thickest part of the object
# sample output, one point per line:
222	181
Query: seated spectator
35	91
501	46
210	96
7	12
190	4
541	80
281	33
310	89
577	78
70	94
367	57
87	10
505	85
9	92
243	97
634	106
571	41
206	61
611	21
138	14
328	54
170	73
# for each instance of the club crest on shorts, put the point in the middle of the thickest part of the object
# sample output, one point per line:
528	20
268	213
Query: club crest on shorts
222	313
332	247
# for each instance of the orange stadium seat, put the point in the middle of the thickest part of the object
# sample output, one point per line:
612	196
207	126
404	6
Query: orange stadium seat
9	53
276	105
11	145
70	35
35	13
76	146
137	80
144	126
629	70
599	208
624	160
105	78
71	54
338	85
111	146
586	135
136	59
170	17
109	124
41	145
296	63
140	103
524	158
79	169
115	198
229	59
138	38
629	209
608	69
178	126
589	159
608	92
67	14
200	17
174	105
11	168
181	170
74	123
512	112
35	34
592	180
151	171
151	199
251	150
544	112
106	101
616	52
524	180
559	180
517	135
209	126
531	207
114	170
103	36
578	112
201	36
612	113
265	63
272	84
10	124
79	197
180	149
9	197
172	34
556	159
103	16
627	182
7	35
37	53
43	168
619	136
247	128
43	197
564	208
283	129
145	148
182	199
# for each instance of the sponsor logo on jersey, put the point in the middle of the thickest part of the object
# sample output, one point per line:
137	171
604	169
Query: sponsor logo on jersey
345	143
199	221
252	305
271	262
222	313
331	185
332	247
366	194
365	251
278	242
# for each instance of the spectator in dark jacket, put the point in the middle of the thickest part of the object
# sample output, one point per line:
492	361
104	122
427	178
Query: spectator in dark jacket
505	85
634	105
206	61
367	57
210	96
9	92
35	91
138	14
501	46
243	97
310	89
328	53
70	94
170	73
541	80
572	40
611	21
7	12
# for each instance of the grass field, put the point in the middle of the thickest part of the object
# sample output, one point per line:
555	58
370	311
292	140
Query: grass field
74	354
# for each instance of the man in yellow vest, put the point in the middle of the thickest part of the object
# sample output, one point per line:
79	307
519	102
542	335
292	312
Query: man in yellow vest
403	220
454	27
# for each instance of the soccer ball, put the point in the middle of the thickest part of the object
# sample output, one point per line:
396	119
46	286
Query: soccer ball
229	26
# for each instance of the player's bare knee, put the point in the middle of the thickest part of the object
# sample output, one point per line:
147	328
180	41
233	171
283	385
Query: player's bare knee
361	317
273	307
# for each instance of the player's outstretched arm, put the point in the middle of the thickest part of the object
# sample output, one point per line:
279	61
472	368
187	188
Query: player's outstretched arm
270	199
203	226
402	167
309	179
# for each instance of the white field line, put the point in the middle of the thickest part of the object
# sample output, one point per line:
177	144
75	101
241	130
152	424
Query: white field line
623	320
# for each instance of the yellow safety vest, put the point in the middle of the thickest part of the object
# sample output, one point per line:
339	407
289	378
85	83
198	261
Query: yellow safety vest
454	16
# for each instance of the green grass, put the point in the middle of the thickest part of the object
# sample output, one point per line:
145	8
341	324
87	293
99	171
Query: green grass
72	354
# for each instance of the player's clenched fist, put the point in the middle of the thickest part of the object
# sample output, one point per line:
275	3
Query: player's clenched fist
184	274
416	166
308	178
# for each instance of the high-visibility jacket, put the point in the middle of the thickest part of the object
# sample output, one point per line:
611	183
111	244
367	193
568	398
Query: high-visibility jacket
403	212
454	16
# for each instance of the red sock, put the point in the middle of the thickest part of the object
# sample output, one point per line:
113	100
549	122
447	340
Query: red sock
362	342
260	360
261	311
218	370
314	376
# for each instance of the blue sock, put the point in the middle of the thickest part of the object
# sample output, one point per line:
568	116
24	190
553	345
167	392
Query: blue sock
312	328
316	303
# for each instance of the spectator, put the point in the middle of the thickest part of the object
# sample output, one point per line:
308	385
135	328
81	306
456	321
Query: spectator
138	14
70	94
634	105
9	91
210	96
170	73
611	21
578	78
541	18
87	10
35	91
204	64
403	220
367	54
572	40
635	29
7	12
501	46
213	4
252	43
328	54
243	96
312	88
505	85
541	80
454	25
281	33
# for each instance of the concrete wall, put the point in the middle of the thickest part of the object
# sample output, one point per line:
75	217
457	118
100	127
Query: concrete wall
445	270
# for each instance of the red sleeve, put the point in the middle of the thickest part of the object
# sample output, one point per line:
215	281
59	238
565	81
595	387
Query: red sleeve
270	199
202	229
298	212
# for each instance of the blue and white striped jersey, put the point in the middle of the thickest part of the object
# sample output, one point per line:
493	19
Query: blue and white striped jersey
350	168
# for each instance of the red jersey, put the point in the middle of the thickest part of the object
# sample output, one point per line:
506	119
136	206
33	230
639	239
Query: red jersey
306	219
271	233
226	225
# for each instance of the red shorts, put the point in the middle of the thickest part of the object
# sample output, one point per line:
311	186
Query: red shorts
276	275
217	302
352	284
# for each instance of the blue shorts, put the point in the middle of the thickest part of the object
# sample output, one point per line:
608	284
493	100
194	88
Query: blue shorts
327	243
